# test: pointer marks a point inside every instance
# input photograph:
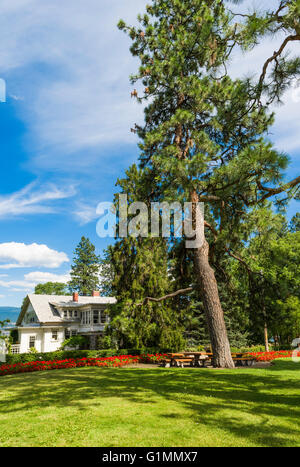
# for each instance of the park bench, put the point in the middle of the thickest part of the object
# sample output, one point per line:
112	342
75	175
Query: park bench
178	359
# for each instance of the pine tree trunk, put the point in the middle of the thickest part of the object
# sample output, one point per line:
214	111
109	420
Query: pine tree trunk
209	293
266	337
212	306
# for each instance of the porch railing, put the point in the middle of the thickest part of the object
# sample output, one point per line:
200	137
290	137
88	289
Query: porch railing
15	348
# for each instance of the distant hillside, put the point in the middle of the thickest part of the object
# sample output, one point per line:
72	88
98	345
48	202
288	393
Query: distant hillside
9	312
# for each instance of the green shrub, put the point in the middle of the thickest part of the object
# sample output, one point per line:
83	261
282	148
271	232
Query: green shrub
254	348
74	342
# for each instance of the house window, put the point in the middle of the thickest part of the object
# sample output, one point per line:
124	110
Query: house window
104	317
30	318
70	332
54	335
75	314
86	317
32	342
65	314
96	316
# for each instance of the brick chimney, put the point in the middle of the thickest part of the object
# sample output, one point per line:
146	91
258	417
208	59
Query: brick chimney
95	293
75	296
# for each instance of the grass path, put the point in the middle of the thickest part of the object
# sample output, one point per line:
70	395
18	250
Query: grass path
152	407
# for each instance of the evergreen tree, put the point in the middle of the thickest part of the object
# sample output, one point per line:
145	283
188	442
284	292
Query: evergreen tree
139	268
135	268
85	268
203	138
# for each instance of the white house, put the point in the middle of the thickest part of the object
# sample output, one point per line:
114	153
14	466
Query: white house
47	320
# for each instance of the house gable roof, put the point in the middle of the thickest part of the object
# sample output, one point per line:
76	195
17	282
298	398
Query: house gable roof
44	305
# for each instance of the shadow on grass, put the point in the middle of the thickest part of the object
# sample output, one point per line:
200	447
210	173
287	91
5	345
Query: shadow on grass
260	405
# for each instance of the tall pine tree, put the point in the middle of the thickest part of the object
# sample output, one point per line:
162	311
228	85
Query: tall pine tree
85	268
203	138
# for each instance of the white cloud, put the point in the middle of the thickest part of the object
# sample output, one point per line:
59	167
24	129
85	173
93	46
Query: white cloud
286	128
82	100
30	200
21	255
32	279
38	277
17	286
85	213
70	64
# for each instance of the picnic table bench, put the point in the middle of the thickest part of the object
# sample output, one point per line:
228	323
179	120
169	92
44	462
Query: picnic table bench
176	359
243	359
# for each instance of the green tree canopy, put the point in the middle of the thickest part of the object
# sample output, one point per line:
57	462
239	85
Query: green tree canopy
51	288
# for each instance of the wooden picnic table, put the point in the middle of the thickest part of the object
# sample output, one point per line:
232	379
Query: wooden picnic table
179	359
201	358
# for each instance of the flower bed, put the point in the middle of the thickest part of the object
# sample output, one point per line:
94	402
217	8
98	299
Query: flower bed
273	355
117	361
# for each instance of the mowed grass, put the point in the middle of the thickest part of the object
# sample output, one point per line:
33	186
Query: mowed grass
152	407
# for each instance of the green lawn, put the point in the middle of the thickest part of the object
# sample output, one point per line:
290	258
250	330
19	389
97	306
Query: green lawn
152	407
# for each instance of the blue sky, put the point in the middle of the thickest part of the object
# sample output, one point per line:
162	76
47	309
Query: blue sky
65	129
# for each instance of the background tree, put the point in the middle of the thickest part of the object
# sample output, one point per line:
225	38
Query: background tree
5	340
203	138
295	223
51	288
275	291
85	268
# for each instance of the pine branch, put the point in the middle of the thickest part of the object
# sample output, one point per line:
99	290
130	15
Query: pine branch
165	297
238	258
276	191
212	229
274	57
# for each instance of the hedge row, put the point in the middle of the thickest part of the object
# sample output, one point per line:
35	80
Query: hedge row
65	354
